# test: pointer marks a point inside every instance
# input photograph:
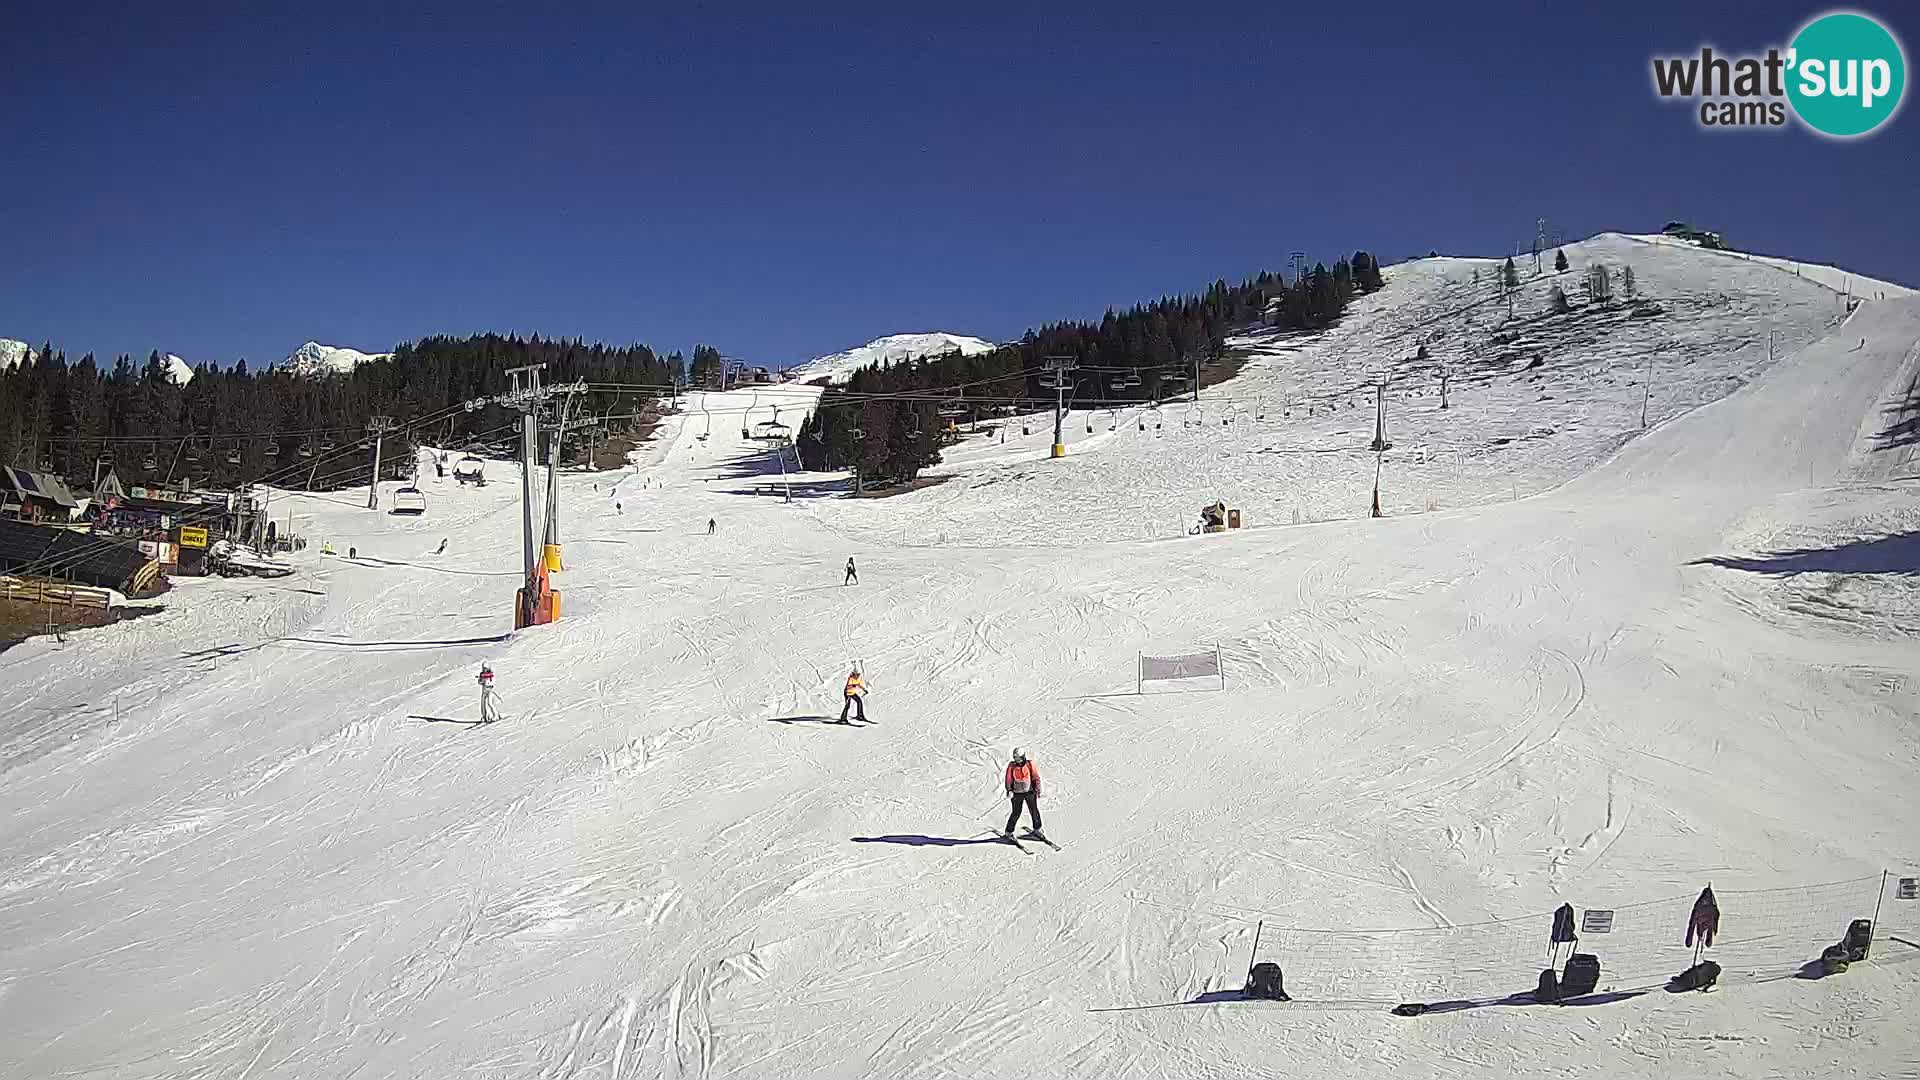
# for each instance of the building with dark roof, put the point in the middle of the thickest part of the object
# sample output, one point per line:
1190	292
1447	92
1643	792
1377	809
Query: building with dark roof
26	495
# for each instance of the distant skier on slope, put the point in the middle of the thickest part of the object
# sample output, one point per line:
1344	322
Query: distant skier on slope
711	525
855	696
1022	782
442	549
853	576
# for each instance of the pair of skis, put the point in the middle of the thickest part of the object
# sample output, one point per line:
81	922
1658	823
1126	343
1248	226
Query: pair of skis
1028	835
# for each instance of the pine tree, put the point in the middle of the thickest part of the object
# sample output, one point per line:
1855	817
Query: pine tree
1559	261
1509	276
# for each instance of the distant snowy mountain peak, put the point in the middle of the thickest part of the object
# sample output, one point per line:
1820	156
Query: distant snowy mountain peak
314	358
14	352
179	370
893	348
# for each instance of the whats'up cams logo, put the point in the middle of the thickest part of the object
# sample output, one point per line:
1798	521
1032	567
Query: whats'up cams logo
1843	76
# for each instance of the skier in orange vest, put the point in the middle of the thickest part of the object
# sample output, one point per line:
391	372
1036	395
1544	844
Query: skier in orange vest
856	697
1023	787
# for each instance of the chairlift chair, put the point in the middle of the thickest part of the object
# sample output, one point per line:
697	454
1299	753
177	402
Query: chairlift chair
149	463
233	456
470	470
409	501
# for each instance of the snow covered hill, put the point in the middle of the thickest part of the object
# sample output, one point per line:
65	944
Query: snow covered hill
259	834
1531	402
314	359
840	366
1836	278
14	352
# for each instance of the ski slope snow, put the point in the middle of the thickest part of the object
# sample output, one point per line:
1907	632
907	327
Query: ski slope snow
1287	441
290	852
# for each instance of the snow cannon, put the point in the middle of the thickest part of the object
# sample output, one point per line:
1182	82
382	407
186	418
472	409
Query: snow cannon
1265	982
1216	518
536	603
550	558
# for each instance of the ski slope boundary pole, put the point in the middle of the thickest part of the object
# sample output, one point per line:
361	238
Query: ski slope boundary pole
1255	954
1876	910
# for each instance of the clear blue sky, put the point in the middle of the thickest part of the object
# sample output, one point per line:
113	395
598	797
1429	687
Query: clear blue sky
227	185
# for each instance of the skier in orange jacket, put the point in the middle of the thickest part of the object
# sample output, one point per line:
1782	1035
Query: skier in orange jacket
1023	787
856	697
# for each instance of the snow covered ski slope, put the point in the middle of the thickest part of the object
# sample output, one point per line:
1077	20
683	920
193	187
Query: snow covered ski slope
293	854
1531	404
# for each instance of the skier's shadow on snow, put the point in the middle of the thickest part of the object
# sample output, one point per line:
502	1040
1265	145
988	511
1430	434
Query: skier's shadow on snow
832	720
917	840
446	720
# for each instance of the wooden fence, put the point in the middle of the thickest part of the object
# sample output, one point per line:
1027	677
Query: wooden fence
44	591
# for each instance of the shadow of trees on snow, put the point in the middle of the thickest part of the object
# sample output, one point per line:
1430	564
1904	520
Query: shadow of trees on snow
1896	554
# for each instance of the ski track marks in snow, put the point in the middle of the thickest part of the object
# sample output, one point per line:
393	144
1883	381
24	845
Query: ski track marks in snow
285	867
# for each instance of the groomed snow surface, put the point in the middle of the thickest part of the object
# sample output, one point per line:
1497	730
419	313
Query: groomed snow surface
1679	658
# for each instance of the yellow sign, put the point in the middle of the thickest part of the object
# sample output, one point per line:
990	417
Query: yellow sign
193	537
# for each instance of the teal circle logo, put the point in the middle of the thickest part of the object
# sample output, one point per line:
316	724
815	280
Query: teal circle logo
1846	74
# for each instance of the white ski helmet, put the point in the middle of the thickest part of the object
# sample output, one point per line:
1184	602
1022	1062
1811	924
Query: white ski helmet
1019	754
